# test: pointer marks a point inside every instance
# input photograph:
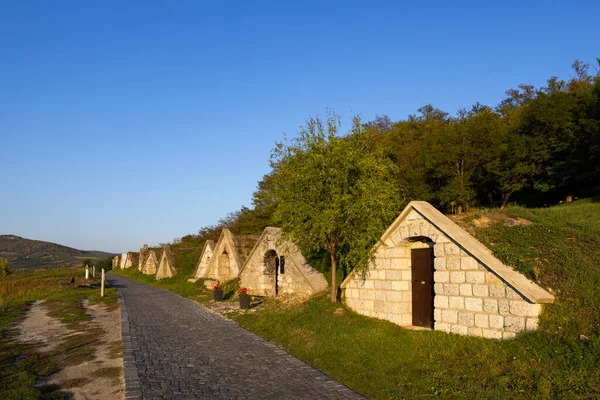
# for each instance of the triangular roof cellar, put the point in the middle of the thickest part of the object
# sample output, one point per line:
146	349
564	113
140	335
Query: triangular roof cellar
144	252
122	260
204	260
230	253
276	266
151	264
428	272
166	267
132	259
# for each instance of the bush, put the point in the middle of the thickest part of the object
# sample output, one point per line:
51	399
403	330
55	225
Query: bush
4	268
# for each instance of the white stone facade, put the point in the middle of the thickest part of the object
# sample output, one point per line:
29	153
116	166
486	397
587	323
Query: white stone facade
122	260
204	260
473	293
166	266
143	256
263	274
226	262
151	264
132	259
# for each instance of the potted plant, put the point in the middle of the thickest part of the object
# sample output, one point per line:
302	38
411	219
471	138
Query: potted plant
217	292
244	299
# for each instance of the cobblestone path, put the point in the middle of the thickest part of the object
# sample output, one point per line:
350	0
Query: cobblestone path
173	348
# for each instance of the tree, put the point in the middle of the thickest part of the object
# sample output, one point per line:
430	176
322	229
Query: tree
105	264
334	193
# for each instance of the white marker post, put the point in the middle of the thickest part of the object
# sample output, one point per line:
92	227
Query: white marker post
93	271
102	284
87	272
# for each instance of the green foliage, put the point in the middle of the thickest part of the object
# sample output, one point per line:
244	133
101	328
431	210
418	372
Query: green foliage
334	193
231	288
4	268
542	142
105	264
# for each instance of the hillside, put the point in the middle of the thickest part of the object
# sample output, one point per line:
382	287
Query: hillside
558	247
23	253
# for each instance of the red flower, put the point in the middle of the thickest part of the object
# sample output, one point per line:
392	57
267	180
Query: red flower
244	291
216	287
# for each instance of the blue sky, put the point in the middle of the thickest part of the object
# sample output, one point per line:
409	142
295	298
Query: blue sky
124	123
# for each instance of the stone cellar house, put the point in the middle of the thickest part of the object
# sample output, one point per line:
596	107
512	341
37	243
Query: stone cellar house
144	252
229	255
131	260
166	266
276	266
151	264
116	262
204	260
122	260
428	272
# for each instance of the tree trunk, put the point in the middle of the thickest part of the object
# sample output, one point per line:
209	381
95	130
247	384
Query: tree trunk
505	199
333	278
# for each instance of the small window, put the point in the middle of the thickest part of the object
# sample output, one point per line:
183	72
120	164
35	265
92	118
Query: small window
282	264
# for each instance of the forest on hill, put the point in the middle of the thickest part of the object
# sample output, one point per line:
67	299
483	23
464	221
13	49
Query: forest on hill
335	193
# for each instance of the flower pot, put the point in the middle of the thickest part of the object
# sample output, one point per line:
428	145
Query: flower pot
244	301
218	294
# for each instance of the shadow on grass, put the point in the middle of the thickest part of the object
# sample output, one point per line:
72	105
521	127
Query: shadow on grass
257	302
54	390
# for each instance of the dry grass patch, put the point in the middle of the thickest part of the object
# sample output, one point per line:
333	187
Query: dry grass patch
115	349
108	372
73	383
48	354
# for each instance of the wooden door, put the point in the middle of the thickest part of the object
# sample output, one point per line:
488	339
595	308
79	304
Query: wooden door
422	287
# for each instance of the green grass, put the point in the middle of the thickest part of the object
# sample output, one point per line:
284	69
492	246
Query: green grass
21	365
382	360
185	263
561	249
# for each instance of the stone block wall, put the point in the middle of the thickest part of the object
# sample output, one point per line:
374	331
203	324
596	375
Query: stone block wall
253	275
292	281
151	264
203	263
259	272
469	298
259	283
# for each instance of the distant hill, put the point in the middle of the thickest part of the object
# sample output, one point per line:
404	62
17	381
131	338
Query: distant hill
23	253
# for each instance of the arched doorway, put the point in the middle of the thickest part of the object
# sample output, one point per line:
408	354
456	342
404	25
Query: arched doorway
271	262
224	266
422	286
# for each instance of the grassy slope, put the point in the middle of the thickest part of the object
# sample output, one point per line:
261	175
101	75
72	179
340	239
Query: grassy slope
561	249
21	365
